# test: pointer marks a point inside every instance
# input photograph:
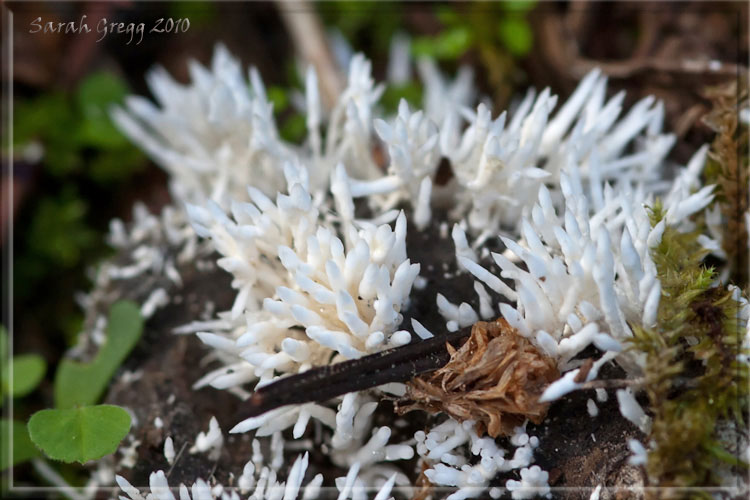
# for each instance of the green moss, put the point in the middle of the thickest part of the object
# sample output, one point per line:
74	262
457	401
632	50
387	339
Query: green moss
728	166
693	378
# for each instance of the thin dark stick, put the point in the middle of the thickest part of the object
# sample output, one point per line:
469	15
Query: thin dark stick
612	383
177	459
321	384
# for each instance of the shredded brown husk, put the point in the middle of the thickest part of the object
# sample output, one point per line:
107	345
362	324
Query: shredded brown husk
495	378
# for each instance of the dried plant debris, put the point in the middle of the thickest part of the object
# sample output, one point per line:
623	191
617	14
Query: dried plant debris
494	378
729	168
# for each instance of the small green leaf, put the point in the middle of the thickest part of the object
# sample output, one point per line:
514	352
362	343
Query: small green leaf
454	42
720	453
516	35
28	371
95	95
23	448
83	383
423	46
98	131
294	128
79	434
449	44
100	89
278	96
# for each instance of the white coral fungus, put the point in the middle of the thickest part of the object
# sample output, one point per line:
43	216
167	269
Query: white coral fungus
566	188
449	446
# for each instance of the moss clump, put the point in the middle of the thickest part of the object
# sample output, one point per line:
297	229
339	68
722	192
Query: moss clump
728	167
693	379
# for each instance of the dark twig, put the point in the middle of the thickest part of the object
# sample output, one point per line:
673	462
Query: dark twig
321	384
563	53
618	383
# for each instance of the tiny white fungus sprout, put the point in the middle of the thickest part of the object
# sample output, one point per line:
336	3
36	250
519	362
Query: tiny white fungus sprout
211	441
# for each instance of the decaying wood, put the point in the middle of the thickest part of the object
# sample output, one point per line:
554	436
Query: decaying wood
494	378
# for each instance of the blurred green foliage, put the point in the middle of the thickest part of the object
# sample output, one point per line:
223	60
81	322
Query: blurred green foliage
23	448
27	372
58	232
498	33
478	25
74	163
291	123
76	133
365	24
411	91
515	34
19	375
450	43
492	35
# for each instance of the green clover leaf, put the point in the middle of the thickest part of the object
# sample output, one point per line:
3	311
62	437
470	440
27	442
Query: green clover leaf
79	434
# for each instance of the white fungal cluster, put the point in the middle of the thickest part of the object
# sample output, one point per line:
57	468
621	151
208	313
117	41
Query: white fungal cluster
212	136
533	483
587	271
588	274
355	441
449	448
261	481
500	164
566	190
305	293
414	154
